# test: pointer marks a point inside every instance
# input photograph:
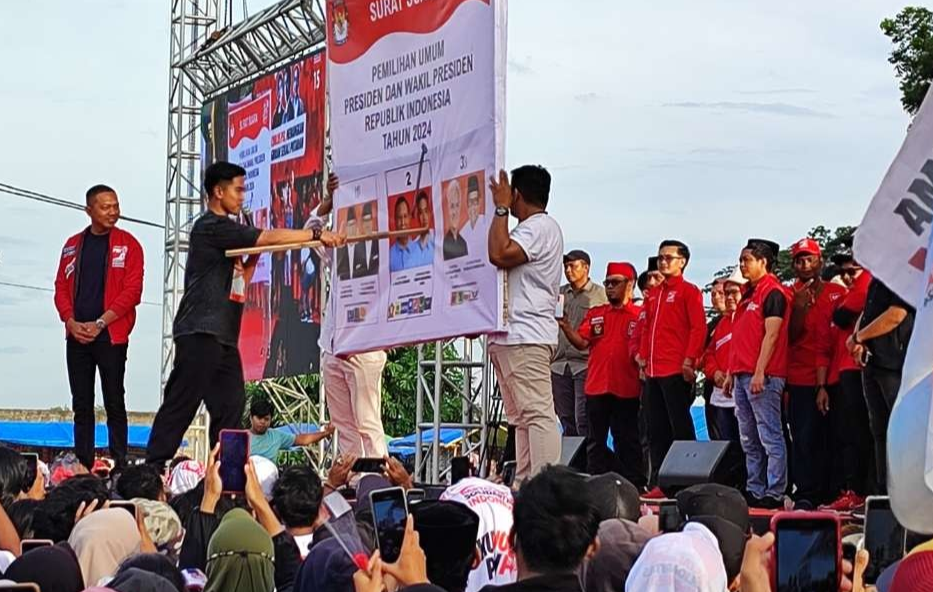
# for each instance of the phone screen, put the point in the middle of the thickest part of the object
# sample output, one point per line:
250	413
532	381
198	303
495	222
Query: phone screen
508	473
668	516
459	469
884	538
234	450
389	514
369	465
806	556
30	544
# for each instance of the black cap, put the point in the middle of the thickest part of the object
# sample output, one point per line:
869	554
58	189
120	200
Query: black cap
446	528
577	255
368	209
775	248
472	184
652	264
713	499
351	213
731	541
614	493
843	257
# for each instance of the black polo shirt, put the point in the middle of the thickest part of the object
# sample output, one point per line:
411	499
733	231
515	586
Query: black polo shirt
887	351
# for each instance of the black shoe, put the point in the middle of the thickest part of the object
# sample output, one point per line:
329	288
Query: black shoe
804	505
769	503
751	499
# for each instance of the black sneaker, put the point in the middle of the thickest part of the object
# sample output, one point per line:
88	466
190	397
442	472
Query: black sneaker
770	503
752	499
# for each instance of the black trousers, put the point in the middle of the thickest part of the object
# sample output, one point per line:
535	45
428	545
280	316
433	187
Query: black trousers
727	428
809	434
204	370
607	413
881	388
110	361
668	401
854	466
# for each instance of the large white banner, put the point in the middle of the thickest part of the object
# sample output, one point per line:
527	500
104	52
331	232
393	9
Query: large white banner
892	238
417	120
910	431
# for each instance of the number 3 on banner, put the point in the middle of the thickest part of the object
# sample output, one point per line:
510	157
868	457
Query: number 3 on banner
463	162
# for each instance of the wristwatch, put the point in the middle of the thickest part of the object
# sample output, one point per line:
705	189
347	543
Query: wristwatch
100	324
502	211
316	233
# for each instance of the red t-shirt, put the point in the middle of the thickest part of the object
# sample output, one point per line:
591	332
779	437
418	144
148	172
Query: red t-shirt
854	302
611	369
814	348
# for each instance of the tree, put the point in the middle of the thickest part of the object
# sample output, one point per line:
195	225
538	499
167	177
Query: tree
911	32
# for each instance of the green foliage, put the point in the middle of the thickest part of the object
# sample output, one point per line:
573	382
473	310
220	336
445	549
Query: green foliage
911	32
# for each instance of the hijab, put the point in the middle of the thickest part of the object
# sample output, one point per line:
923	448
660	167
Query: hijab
240	556
52	568
102	541
620	544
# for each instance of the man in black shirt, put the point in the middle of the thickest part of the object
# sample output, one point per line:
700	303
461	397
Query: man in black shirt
207	325
880	341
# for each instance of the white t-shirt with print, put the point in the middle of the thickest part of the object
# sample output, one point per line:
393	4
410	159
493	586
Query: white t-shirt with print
533	287
493	504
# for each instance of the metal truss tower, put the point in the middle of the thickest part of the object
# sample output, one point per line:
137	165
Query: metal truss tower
468	377
209	55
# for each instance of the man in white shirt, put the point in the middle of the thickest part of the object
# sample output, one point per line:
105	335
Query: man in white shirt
474	231
532	253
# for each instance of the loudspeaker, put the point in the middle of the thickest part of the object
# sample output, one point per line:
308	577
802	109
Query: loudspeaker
573	452
690	463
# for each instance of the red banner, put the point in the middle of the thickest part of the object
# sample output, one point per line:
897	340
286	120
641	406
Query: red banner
354	26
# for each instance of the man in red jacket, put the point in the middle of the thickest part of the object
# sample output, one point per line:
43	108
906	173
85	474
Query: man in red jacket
97	288
612	385
854	473
757	373
671	345
809	356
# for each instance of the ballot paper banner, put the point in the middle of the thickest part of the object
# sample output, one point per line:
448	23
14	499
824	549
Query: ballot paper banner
417	120
892	238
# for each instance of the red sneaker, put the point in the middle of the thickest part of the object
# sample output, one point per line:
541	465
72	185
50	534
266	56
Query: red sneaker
844	503
654	494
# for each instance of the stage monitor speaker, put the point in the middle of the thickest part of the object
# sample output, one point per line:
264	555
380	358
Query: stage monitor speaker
573	452
690	463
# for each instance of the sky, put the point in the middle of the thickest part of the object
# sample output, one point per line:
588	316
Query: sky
706	121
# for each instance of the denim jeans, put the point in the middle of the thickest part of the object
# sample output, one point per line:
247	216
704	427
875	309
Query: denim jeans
762	436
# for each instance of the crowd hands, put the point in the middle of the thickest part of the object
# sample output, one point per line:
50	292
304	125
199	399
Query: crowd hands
560	531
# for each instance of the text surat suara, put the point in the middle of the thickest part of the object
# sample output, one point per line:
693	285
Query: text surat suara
380	9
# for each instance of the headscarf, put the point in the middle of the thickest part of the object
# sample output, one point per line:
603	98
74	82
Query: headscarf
137	580
185	476
687	561
52	568
240	556
326	569
266	473
102	541
620	544
162	523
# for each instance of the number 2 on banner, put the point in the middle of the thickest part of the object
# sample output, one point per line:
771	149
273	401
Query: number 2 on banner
408	179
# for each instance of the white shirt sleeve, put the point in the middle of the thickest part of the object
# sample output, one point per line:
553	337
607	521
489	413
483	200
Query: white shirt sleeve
531	238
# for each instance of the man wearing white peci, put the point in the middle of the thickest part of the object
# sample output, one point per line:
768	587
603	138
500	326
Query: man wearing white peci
532	254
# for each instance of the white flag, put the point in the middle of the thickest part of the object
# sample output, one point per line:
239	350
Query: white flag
892	239
910	431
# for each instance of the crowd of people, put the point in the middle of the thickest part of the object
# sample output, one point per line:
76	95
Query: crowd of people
560	531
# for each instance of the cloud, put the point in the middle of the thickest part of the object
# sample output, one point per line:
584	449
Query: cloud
778	91
12	350
750	107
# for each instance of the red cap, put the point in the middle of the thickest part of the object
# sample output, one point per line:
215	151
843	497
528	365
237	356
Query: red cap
626	270
806	245
915	573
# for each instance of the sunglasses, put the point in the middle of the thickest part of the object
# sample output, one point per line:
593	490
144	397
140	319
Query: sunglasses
850	272
613	283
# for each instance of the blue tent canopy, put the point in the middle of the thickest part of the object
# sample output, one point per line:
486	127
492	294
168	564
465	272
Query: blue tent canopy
406	445
60	434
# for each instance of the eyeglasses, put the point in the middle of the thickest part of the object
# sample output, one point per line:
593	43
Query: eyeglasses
851	271
669	258
613	283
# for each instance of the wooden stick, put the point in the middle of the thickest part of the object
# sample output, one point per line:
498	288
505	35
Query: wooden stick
313	244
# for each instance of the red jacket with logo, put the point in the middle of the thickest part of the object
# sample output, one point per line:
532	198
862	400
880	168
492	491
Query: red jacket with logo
716	358
611	368
123	282
748	331
853	302
814	348
674	327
